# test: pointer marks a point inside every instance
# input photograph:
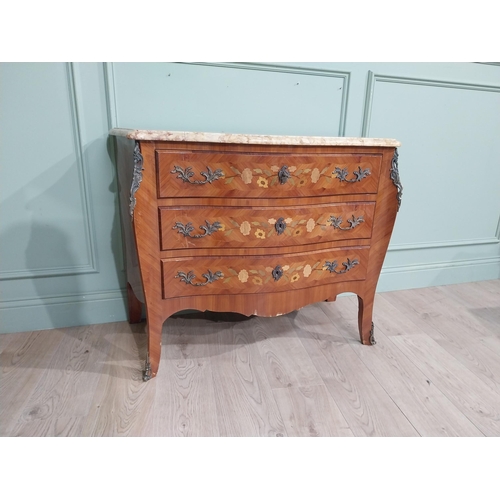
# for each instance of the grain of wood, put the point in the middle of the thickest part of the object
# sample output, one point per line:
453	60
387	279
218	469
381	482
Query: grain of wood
477	356
7	338
285	360
244	399
453	327
67	386
361	399
414	393
475	294
184	401
428	409
389	318
25	359
479	403
481	302
311	412
52	427
433	309
493	344
425	369
122	403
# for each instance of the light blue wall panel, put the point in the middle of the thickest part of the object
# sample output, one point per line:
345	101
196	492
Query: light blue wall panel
451	167
61	260
60	242
254	99
448	229
47	230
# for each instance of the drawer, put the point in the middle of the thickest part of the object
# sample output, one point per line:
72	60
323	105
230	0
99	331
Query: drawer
212	227
259	175
193	276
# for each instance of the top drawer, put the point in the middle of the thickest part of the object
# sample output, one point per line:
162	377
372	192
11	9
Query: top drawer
260	175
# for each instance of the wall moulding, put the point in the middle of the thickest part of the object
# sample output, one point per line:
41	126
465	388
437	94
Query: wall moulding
75	99
443	244
110	86
440	265
373	78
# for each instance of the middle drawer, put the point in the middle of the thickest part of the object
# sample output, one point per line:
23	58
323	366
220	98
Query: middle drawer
238	227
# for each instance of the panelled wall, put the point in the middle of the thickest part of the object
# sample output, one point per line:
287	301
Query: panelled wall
60	241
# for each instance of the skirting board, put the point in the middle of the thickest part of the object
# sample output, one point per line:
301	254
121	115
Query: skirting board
107	307
62	311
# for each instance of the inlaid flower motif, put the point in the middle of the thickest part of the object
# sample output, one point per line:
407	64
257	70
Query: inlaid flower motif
245	228
302	182
310	225
257	280
243	276
260	234
262	182
222	227
307	270
295	277
286	268
272	221
274	168
297	231
246	175
292	168
315	175
289	220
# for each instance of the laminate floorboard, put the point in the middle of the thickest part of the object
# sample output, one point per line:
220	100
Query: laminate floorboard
122	402
435	371
243	395
362	400
184	401
7	338
310	411
285	360
454	328
479	403
423	404
25	359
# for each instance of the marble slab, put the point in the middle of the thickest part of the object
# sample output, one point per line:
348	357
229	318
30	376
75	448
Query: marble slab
292	140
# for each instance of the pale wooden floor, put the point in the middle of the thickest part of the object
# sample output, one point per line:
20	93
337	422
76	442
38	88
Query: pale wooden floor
435	371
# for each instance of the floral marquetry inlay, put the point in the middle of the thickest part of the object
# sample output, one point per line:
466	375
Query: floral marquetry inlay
267	177
291	274
266	229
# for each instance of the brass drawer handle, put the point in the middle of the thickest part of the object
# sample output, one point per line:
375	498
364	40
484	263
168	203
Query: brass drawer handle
353	222
284	174
342	173
190	276
187	229
332	266
186	174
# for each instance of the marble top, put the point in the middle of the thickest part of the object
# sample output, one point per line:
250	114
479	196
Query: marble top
292	140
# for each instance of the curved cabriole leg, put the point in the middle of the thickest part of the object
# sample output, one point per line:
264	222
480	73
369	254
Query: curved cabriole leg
134	306
365	323
154	329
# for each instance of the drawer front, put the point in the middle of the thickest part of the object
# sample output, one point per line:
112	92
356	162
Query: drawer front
258	175
212	227
194	276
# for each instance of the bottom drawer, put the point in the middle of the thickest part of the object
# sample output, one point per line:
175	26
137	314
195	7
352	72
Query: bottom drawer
261	274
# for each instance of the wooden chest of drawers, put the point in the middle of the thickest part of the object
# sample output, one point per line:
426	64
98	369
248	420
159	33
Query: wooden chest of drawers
259	225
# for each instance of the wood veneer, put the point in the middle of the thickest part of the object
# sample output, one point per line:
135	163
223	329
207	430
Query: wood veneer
275	247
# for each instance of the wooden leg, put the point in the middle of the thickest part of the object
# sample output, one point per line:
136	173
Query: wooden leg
365	322
154	329
134	306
